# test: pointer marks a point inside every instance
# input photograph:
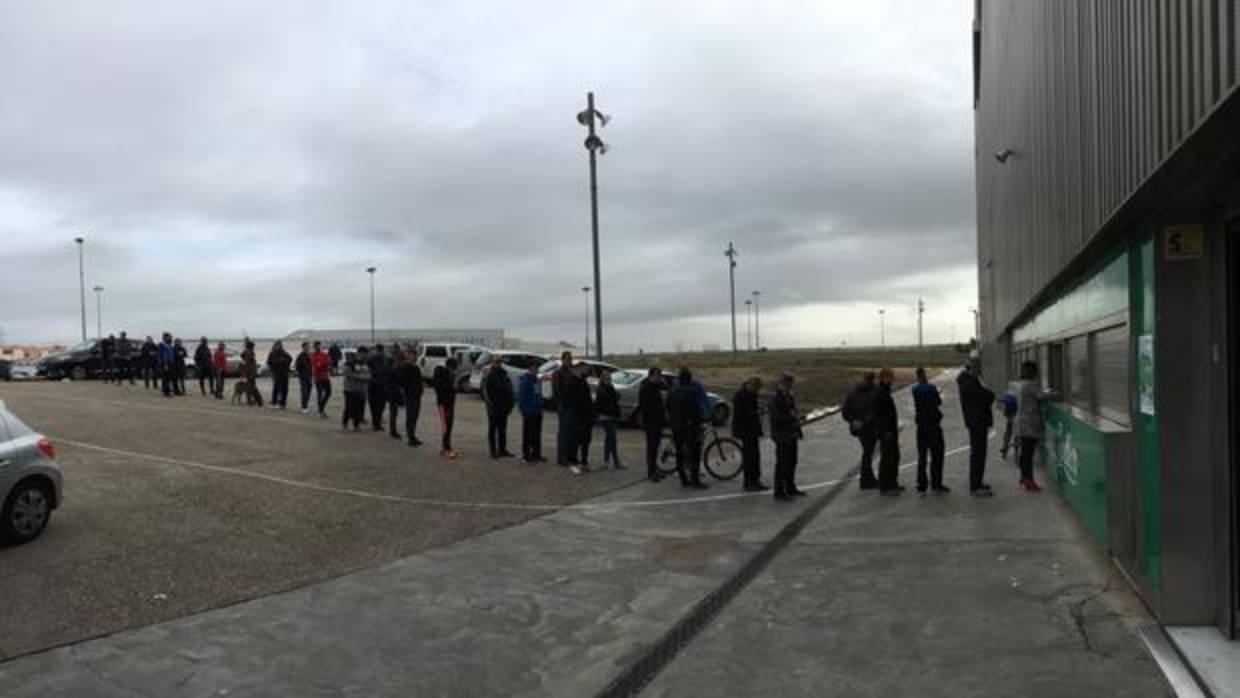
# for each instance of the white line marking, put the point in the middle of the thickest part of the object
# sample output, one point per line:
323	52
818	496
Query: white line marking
445	503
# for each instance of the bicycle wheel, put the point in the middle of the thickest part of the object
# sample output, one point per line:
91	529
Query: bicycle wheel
723	458
667	456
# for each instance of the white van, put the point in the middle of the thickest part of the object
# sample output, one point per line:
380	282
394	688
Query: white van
432	355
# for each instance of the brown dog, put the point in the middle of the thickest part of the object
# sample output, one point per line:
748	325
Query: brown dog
241	390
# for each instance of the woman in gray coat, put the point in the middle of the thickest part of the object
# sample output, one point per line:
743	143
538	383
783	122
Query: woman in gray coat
1030	428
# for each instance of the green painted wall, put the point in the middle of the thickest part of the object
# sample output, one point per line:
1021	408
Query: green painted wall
1149	519
1103	293
1075	452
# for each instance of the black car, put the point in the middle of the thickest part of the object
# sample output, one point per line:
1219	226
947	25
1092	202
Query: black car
79	363
6	370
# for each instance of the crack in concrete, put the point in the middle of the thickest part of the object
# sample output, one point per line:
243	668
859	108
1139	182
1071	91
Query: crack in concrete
1081	622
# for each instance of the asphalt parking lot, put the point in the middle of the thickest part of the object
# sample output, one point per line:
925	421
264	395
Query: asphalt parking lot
177	505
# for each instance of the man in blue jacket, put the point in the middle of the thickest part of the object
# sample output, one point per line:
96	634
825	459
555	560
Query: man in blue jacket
530	401
167	357
926	403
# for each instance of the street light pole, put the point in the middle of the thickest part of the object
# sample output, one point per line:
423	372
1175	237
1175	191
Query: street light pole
731	255
99	311
585	290
882	328
757	322
977	326
749	324
921	311
371	271
595	145
82	282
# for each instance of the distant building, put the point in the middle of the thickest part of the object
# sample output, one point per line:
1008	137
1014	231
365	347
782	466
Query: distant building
1108	216
358	337
27	352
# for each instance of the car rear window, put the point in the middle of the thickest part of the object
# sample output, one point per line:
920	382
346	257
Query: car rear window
437	352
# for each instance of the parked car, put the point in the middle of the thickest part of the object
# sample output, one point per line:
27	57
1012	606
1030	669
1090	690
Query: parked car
628	384
431	355
548	369
79	362
30	480
6	370
232	366
22	371
515	362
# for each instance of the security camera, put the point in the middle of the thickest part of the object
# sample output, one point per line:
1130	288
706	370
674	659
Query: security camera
1003	155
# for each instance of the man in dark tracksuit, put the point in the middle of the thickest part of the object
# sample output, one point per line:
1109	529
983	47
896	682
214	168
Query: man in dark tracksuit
203	366
654	419
409	378
124	358
444	382
305	374
858	411
565	432
926	402
499	398
887	424
976	402
148	360
685	414
785	432
747	426
107	349
376	392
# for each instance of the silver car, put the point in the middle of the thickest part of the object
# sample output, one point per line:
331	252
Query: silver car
30	482
515	363
629	382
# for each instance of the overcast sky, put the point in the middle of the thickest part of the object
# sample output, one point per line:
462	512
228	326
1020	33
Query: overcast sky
235	166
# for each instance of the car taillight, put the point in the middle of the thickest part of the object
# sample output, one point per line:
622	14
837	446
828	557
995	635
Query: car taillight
45	447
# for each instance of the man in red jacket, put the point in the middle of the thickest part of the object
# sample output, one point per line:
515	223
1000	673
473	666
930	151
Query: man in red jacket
321	368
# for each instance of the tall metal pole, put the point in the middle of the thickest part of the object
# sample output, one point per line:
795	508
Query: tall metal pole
749	324
585	290
98	311
371	271
82	283
921	311
977	326
757	322
882	328
731	255
598	285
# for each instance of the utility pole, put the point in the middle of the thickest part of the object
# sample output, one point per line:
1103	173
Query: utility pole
586	291
731	255
749	324
921	311
82	282
977	327
595	145
757	323
882	328
371	271
99	311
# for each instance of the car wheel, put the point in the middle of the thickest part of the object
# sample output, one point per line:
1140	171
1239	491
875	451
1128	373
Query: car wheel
78	373
26	512
721	414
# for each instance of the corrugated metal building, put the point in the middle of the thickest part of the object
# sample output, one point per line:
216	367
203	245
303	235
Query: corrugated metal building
1108	213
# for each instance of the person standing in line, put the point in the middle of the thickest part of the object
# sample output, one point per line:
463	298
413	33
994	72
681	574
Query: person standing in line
219	369
747	426
107	352
392	389
166	358
785	432
357	378
179	356
203	366
305	374
148	361
444	382
409	376
334	354
929	417
1030	428
124	359
377	390
565	430
1011	405
584	416
497	393
685	414
607	407
321	371
249	373
530	401
887	424
279	362
654	419
858	411
976	402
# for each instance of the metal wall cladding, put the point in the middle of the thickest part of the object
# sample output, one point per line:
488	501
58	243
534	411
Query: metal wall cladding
1090	96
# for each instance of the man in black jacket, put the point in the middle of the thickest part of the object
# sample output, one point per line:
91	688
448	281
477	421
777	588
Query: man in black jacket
305	374
565	432
785	432
124	358
747	426
858	411
148	361
376	392
279	362
685	414
107	351
392	389
498	395
654	418
203	366
409	377
976	402
927	402
444	382
887	425
580	408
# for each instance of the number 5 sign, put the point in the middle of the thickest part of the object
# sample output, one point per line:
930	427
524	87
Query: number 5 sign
1183	242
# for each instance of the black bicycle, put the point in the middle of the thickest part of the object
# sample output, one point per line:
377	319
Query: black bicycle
721	456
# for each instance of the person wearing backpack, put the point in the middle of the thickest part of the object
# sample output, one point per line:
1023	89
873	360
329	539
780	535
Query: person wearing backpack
858	411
